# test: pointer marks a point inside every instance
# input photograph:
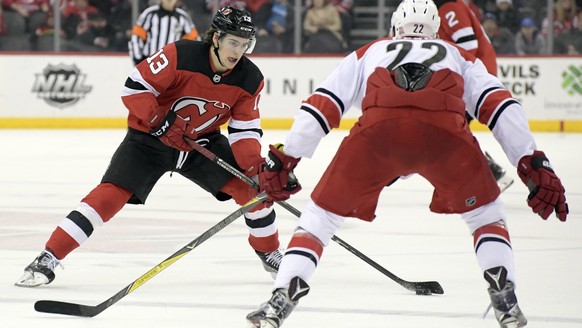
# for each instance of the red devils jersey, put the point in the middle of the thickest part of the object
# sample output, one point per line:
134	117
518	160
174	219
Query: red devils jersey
459	25
180	77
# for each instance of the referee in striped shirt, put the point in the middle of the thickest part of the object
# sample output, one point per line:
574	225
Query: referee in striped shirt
157	26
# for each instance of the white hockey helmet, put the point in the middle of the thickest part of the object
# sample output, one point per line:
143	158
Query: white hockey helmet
415	18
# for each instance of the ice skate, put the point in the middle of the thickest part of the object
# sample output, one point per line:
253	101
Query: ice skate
279	307
271	261
503	299
503	181
40	271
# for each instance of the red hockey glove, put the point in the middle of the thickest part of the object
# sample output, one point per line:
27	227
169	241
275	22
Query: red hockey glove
277	178
171	129
546	190
253	172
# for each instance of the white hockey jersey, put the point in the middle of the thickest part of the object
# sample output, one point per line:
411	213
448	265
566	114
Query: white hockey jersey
485	97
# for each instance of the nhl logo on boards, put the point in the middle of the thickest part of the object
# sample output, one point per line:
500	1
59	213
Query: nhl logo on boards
61	85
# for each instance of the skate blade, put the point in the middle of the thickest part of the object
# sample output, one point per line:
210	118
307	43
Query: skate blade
260	324
259	321
31	279
504	183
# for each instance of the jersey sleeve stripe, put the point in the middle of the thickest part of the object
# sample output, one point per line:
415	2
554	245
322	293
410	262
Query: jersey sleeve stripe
318	116
463	33
330	94
238	130
492	103
139	32
232	130
137	84
192	35
467	38
242	125
131	84
500	111
329	108
234	136
482	98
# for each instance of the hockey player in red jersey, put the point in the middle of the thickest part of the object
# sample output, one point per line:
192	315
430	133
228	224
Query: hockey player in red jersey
187	89
413	90
460	25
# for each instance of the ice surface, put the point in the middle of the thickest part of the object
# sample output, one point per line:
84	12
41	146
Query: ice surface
45	173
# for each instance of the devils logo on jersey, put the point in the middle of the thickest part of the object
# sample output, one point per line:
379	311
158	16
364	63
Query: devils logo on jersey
200	112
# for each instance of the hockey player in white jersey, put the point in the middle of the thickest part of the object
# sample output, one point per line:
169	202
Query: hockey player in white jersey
413	89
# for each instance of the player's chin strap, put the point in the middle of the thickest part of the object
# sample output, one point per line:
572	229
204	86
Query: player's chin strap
420	287
216	52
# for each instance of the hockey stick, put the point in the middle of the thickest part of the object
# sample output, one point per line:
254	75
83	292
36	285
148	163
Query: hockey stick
80	310
420	287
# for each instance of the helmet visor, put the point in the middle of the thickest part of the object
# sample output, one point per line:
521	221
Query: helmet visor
235	43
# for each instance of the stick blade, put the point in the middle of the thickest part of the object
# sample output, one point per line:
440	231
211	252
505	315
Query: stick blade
427	288
65	308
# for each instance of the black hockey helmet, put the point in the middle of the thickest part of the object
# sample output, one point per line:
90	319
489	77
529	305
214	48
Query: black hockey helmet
234	21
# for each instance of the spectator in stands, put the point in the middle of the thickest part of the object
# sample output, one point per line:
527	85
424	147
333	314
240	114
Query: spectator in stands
238	4
323	29
501	38
34	12
2	22
103	6
535	9
96	33
475	9
507	15
529	41
344	7
275	24
75	14
159	25
487	6
564	14
253	6
120	21
43	37
570	42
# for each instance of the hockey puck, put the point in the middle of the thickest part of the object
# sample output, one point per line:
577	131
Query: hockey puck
423	292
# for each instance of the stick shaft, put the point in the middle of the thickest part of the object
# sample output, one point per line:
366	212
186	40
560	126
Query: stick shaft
80	310
433	286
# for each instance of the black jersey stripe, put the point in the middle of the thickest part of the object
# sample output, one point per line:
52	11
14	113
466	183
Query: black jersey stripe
467	38
481	98
332	95
131	84
302	253
235	130
81	221
491	239
499	111
317	117
262	222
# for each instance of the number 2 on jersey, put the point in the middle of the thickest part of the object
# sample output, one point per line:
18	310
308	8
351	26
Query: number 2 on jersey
439	54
